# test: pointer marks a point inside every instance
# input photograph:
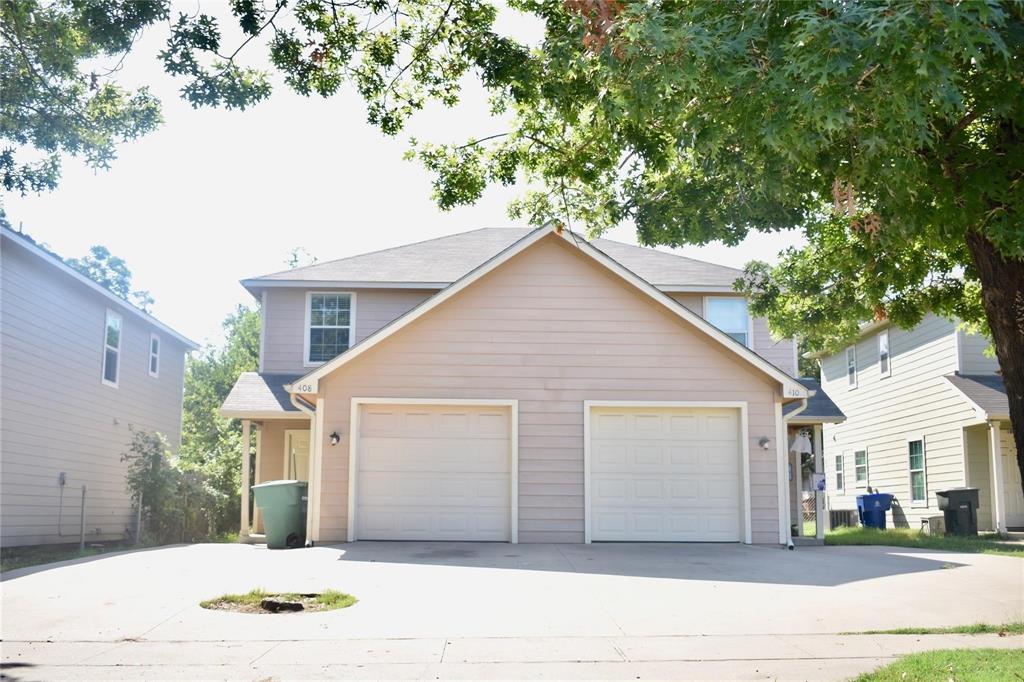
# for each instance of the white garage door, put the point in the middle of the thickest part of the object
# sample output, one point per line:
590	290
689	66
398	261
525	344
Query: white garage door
433	472
665	474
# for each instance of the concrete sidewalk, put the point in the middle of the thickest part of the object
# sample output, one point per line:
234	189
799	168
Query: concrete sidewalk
751	657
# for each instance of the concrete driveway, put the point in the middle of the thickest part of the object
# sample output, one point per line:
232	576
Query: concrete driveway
494	610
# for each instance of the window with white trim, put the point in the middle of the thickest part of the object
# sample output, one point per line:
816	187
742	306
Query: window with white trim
851	366
918	480
154	355
112	349
884	367
839	473
860	467
328	326
729	313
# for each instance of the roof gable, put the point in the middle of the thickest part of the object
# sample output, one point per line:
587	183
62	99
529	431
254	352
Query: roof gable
791	388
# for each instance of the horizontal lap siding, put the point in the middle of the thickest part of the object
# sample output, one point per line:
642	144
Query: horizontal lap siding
285	317
881	412
550	329
974	356
58	417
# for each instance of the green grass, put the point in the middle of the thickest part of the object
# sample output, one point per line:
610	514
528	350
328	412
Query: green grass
1015	628
989	543
327	599
12	558
953	665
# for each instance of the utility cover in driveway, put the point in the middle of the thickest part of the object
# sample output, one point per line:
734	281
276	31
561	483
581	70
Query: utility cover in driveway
433	472
665	474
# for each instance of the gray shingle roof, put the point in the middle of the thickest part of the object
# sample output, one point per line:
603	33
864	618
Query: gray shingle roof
819	406
987	391
445	259
259	393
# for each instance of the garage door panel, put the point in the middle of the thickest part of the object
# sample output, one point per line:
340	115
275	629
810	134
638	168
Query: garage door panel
665	474
433	472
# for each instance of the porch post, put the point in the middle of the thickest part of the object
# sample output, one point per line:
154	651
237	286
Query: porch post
820	516
998	493
243	530
796	485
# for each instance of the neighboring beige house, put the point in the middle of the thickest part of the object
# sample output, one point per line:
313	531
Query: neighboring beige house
520	386
925	411
78	366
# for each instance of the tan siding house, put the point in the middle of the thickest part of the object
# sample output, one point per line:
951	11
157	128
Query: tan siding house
523	386
63	418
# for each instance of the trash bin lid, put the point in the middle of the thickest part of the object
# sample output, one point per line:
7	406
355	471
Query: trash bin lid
283	483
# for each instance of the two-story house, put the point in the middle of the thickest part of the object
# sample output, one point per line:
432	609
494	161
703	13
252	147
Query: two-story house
78	367
520	385
926	410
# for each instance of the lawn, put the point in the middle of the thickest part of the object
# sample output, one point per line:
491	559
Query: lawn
12	558
989	543
952	665
1016	628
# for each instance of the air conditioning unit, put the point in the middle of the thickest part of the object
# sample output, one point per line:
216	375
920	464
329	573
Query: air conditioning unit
933	525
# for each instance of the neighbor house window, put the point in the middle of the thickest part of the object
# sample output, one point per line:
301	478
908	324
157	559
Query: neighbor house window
918	485
328	326
851	366
839	472
112	349
860	466
883	353
154	355
730	315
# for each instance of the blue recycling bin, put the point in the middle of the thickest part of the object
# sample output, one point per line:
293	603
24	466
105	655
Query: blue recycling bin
871	509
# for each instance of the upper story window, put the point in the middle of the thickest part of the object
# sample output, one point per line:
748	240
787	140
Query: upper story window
918	483
729	313
851	366
154	355
112	349
884	368
328	325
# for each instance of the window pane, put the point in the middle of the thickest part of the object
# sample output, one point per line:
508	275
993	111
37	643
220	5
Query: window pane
839	462
152	365
917	486
839	480
110	366
916	455
113	332
741	337
729	315
154	345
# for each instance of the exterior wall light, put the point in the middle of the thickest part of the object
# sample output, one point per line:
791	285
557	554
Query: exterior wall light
335	438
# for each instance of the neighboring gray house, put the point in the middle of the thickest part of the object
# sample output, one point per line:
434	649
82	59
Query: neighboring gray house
78	366
925	410
521	385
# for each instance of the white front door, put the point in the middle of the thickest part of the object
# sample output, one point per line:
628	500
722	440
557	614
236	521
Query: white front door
296	455
665	474
1012	493
433	472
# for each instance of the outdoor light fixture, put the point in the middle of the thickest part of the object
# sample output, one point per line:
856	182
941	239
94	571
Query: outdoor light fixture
335	438
764	442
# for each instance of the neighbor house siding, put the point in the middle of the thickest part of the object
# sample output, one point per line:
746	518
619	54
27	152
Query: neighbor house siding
979	471
550	328
882	411
57	415
973	358
285	317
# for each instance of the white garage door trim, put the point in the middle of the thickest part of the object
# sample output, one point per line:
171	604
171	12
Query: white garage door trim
588	407
353	451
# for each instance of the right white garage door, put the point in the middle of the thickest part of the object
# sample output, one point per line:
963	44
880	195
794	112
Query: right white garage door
665	474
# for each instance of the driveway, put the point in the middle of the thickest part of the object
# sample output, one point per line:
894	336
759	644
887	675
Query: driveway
495	610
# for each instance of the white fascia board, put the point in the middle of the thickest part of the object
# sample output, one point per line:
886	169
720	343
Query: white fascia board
19	240
336	284
262	414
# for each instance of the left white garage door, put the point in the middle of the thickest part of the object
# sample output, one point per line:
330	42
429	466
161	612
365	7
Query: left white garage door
433	472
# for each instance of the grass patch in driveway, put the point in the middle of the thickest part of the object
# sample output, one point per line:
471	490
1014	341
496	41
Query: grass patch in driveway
12	558
989	543
261	601
1016	628
954	665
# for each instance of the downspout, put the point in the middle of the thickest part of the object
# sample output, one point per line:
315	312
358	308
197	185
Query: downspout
312	492
785	432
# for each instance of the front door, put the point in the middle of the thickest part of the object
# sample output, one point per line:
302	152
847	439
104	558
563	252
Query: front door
296	455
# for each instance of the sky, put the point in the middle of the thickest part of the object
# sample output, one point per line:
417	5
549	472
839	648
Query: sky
216	196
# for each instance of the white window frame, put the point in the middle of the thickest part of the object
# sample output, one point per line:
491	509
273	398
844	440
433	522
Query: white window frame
120	337
750	320
851	380
923	470
840	472
155	373
308	319
888	354
867	472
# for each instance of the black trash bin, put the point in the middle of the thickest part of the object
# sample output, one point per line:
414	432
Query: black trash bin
960	508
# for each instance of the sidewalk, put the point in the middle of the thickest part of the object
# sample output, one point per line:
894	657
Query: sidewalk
784	657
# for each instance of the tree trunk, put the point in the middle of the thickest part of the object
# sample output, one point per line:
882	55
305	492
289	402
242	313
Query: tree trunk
1002	295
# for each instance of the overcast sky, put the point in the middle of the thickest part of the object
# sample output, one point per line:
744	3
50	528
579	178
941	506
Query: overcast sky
216	196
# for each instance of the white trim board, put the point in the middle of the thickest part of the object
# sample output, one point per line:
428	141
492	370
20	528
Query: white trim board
791	388
353	450
746	531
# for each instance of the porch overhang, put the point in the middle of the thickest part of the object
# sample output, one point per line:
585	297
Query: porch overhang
258	396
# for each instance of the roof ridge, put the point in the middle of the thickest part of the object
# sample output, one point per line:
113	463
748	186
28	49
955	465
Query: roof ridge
385	250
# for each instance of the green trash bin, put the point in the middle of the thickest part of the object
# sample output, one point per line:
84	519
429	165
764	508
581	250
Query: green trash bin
283	504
